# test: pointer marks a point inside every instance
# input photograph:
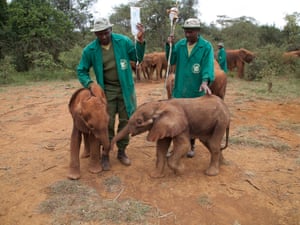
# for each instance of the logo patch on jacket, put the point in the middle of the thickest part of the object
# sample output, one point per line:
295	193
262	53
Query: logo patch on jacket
123	63
196	68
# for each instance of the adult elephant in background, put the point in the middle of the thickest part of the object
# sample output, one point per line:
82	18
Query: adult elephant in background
288	57
159	61
88	108
137	70
177	120
154	62
147	66
218	87
237	59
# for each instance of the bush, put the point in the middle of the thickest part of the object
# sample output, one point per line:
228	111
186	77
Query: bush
267	64
6	71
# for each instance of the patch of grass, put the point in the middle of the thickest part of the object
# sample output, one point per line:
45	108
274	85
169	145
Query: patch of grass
286	125
126	211
248	141
112	184
71	202
298	161
243	135
283	88
204	201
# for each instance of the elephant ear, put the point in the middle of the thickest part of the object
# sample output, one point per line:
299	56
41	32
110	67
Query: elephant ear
169	121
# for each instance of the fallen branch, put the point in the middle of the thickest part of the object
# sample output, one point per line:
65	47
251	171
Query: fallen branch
116	198
49	168
251	183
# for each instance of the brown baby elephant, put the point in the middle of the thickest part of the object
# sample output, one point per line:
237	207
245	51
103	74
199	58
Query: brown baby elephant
206	118
88	108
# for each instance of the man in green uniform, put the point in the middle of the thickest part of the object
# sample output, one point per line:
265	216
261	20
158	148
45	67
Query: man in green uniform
222	57
194	60
110	55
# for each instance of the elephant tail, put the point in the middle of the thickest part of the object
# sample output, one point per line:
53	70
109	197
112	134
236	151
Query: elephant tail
226	139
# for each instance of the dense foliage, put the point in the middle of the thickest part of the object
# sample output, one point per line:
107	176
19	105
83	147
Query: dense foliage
45	37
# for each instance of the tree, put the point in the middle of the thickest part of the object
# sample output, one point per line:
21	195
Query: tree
77	11
241	34
156	19
35	26
291	31
270	35
3	21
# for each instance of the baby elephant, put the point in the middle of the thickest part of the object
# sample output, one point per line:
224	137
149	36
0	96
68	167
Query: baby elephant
206	118
88	108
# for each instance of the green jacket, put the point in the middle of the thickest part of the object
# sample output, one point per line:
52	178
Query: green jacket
222	59
191	70
125	51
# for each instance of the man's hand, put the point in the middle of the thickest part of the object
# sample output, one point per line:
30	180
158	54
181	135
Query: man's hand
171	39
97	91
141	32
204	87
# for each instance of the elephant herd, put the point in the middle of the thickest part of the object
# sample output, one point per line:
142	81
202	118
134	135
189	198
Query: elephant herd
154	65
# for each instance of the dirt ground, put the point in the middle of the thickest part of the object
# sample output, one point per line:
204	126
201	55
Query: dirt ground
260	184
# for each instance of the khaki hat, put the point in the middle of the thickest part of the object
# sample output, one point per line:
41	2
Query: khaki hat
221	44
101	24
191	23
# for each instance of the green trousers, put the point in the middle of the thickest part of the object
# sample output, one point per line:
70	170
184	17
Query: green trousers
116	107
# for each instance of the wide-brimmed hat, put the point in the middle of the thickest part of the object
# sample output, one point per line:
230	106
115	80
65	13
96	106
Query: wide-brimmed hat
101	24
191	23
221	44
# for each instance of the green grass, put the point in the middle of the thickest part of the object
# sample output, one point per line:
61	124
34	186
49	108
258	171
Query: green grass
283	88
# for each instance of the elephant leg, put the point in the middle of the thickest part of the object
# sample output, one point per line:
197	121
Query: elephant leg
158	71
74	167
214	165
105	152
94	163
86	151
181	145
162	147
240	69
214	146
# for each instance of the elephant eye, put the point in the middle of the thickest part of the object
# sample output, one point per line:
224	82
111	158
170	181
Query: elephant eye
139	121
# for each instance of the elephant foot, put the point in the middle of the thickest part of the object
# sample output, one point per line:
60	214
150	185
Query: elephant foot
156	174
179	171
74	174
212	171
95	168
105	162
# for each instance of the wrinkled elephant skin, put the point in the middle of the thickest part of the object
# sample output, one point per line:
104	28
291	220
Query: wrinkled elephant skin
237	59
90	120
206	118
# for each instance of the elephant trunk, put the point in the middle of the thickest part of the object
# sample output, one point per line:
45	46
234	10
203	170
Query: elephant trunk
120	135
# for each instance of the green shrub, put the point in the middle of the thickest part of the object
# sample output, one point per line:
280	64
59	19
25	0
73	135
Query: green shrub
7	70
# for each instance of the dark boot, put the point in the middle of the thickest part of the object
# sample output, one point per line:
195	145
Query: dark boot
191	152
123	157
105	162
